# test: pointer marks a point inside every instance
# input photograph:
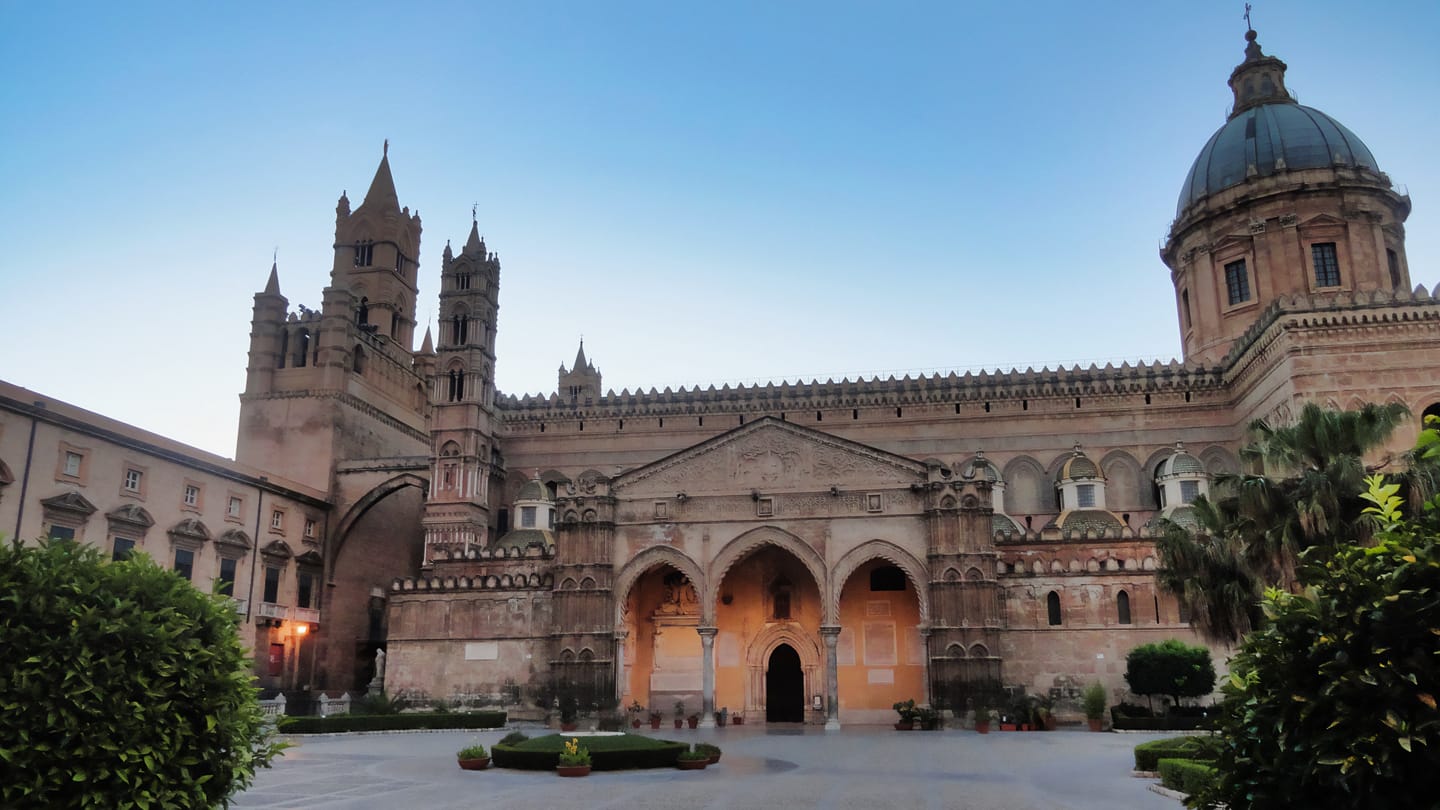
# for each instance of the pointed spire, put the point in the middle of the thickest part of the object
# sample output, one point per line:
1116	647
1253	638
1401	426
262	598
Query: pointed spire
382	188
272	286
580	361
473	244
427	346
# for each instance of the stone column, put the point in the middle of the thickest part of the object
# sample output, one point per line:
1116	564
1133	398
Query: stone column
831	634
620	666
707	664
925	664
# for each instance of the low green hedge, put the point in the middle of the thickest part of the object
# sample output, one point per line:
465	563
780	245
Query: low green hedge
1187	776
606	753
1125	722
389	722
1149	754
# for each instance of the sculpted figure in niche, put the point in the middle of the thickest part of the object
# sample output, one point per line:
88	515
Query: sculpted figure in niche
680	596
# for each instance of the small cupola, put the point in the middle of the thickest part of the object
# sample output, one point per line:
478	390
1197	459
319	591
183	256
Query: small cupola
1180	478
534	522
1080	484
982	467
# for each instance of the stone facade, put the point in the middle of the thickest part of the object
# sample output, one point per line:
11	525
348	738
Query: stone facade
810	551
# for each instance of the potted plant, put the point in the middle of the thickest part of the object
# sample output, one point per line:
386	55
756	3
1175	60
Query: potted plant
693	760
679	714
569	711
906	710
693	721
712	750
1094	700
982	718
928	718
635	711
655	719
574	759
473	757
737	719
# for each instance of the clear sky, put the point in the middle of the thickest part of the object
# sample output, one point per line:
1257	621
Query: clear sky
708	192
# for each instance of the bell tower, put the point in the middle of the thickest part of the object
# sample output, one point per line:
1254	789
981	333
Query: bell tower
457	513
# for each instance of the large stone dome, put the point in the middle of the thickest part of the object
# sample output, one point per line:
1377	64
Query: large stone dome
1267	139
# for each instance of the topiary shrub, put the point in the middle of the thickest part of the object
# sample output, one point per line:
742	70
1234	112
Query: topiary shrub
121	683
1187	775
1333	703
1170	667
1149	754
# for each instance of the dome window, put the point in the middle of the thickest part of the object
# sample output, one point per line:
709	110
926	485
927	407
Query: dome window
1189	491
1237	282
1327	265
1085	496
527	517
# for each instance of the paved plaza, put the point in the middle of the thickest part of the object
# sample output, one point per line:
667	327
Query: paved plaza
791	768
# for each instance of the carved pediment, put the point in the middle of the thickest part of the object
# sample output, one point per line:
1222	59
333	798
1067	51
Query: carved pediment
132	515
309	558
235	538
278	549
72	502
770	456
190	529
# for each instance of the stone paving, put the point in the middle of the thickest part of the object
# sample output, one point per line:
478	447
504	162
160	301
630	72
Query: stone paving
791	768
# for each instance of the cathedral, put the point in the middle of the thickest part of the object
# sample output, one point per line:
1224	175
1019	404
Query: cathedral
807	552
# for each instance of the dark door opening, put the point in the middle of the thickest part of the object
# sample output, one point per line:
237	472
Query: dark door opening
784	687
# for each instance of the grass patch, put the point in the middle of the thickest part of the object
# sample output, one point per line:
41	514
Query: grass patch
606	753
389	722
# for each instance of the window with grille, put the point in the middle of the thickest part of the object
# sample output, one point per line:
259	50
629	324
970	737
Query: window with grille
527	517
1189	491
1085	496
72	464
132	480
192	495
277	519
1327	265
1237	282
233	509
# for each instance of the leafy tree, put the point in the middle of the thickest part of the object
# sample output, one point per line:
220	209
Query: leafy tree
1172	668
123	685
1333	703
1251	535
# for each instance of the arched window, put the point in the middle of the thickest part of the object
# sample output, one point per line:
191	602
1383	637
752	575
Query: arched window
1052	604
362	315
359	360
457	385
284	346
460	327
1122	607
1433	410
302	347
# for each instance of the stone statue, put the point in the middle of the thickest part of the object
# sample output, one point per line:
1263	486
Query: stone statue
377	683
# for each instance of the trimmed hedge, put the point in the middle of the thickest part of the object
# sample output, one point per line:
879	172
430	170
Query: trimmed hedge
390	722
1123	722
1187	776
1148	755
606	753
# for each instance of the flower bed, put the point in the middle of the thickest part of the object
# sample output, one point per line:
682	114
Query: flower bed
390	722
609	752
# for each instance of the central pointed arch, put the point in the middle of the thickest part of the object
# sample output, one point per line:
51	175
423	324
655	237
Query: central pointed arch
883	550
742	546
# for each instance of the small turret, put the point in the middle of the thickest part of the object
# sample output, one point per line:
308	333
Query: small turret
581	383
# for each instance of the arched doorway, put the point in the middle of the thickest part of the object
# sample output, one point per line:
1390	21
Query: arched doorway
784	687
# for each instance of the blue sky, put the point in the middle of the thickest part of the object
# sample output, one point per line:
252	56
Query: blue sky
708	193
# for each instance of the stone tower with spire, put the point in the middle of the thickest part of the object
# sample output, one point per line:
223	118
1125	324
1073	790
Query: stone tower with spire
581	384
341	382
463	453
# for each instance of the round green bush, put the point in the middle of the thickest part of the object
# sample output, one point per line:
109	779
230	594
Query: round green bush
122	684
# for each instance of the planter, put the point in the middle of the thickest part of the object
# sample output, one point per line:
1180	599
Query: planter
714	759
476	764
1007	726
564	726
1097	724
635	723
983	728
655	723
1049	723
679	723
572	770
692	764
737	720
693	721
905	725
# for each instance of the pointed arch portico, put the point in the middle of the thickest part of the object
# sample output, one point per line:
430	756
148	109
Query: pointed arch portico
757	659
878	550
753	540
643	562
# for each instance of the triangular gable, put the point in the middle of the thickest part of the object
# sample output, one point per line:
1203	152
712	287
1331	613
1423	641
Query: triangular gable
72	502
277	549
190	529
769	455
131	514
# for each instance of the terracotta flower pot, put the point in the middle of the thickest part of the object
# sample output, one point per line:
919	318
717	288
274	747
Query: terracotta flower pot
693	722
1007	726
905	725
714	759
983	728
564	726
1097	724
572	770
635	723
679	723
476	764
692	764
655	723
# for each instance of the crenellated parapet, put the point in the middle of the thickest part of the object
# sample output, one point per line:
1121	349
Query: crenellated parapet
970	388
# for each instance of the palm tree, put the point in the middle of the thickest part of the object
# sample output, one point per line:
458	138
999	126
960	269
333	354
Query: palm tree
1252	535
